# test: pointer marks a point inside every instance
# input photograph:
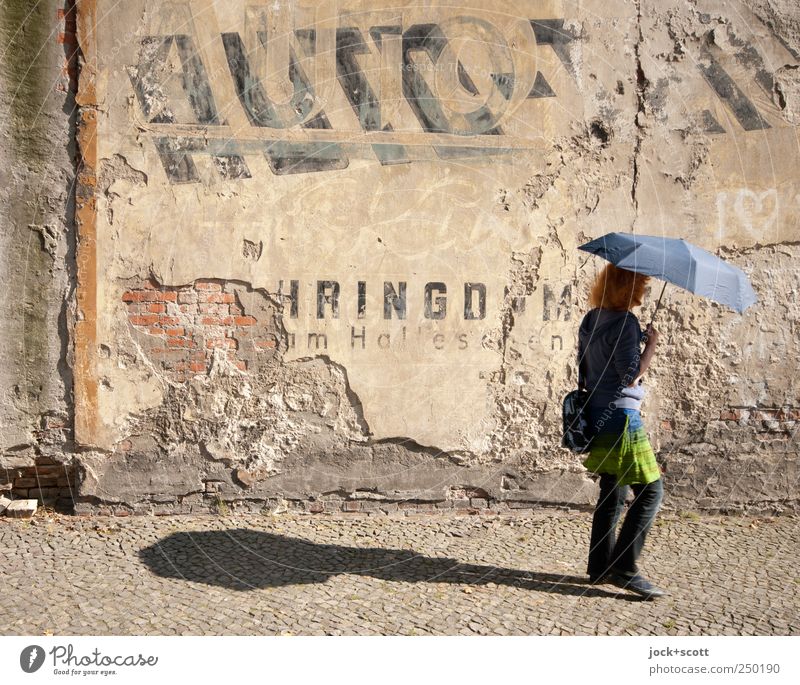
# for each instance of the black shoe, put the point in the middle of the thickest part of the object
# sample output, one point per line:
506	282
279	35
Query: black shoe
598	579
637	584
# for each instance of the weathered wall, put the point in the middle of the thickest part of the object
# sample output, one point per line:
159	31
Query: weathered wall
328	256
37	68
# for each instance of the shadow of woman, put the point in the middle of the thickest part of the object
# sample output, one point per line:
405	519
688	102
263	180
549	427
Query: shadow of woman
243	559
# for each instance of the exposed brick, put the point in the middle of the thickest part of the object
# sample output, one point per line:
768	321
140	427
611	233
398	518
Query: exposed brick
763	414
47	482
8	475
210	319
217	321
43	471
181	342
216	309
43	493
221	342
143	319
25	483
219	298
187	297
47	461
351	506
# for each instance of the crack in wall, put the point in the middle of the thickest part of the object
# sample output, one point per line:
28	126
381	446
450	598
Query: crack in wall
638	121
523	275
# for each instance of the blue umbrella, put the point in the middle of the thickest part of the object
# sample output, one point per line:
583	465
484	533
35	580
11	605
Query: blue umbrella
675	261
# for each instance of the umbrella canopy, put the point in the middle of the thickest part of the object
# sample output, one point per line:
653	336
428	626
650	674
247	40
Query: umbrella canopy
678	262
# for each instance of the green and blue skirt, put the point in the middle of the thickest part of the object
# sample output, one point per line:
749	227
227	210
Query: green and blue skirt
621	447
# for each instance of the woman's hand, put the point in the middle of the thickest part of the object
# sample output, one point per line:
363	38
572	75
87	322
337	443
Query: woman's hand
651	336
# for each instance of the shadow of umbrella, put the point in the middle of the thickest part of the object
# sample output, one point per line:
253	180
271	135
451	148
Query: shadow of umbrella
242	559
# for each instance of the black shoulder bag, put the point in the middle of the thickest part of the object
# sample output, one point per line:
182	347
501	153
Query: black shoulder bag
575	417
576	434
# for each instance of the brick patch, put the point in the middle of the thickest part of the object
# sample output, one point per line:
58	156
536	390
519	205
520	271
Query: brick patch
186	326
769	419
49	482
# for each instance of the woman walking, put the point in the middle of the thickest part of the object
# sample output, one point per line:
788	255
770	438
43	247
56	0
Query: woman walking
610	366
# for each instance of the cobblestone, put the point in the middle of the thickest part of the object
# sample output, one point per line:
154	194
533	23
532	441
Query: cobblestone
354	574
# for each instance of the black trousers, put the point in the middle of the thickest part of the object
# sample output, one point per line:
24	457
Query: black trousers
606	551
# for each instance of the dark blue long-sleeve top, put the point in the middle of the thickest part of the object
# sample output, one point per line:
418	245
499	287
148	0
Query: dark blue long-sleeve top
609	358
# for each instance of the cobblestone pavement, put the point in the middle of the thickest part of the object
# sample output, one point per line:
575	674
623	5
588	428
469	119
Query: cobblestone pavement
354	574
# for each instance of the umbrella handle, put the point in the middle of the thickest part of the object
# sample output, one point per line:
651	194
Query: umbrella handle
644	335
658	306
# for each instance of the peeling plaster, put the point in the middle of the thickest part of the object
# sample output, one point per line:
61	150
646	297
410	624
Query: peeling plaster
423	287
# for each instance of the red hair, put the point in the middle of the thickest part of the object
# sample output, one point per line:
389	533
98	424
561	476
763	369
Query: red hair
617	289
